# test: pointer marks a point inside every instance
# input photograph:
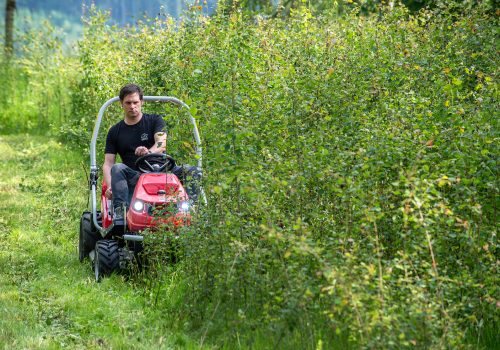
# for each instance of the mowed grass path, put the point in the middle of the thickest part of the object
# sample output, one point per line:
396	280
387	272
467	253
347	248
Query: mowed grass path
48	299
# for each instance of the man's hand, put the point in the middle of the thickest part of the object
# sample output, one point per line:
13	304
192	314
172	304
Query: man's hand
141	150
108	193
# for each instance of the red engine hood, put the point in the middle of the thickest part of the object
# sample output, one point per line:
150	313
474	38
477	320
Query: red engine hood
153	183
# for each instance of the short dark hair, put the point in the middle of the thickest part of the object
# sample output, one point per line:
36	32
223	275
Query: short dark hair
130	89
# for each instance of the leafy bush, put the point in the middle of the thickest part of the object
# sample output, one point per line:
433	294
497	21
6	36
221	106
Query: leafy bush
350	166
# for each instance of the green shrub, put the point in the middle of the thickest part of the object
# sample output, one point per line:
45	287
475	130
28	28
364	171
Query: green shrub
350	166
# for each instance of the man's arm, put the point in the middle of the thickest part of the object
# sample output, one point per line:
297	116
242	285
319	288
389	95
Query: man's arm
159	146
109	161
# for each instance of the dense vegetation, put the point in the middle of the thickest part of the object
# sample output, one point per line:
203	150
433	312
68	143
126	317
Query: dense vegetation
351	165
37	83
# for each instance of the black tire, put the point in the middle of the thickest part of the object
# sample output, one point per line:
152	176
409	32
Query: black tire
107	258
88	236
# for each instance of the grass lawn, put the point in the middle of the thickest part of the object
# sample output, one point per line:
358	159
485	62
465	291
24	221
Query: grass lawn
48	299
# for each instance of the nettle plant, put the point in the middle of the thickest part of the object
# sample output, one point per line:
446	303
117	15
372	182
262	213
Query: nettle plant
351	172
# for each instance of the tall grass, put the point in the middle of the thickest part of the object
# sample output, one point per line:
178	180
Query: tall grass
351	172
37	82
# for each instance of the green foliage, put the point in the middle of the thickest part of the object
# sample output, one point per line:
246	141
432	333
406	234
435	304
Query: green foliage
37	82
336	7
351	170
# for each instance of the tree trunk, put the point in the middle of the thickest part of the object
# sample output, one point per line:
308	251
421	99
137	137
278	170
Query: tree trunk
10	7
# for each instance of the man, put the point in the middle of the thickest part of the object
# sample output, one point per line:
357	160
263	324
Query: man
134	136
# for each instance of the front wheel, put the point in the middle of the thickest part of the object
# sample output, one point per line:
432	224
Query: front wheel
107	258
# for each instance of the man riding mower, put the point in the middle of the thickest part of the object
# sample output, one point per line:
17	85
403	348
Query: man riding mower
133	192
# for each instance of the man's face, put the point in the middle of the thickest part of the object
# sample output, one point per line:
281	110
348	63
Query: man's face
132	105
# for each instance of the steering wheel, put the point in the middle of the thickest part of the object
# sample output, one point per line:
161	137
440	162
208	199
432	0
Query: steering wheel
155	163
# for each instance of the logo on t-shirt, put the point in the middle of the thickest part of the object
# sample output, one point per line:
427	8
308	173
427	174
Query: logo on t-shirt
144	137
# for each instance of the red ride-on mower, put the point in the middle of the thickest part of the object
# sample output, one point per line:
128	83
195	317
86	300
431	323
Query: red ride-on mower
112	248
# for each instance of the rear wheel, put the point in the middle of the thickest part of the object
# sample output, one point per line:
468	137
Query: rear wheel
88	236
107	258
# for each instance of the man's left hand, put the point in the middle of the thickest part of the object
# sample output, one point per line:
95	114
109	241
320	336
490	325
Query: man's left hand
141	150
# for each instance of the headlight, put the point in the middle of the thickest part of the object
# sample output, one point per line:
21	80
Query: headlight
138	206
184	206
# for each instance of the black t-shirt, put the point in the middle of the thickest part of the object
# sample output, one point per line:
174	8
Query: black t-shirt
123	139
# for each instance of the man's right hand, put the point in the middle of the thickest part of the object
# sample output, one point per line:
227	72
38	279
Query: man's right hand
109	193
141	150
